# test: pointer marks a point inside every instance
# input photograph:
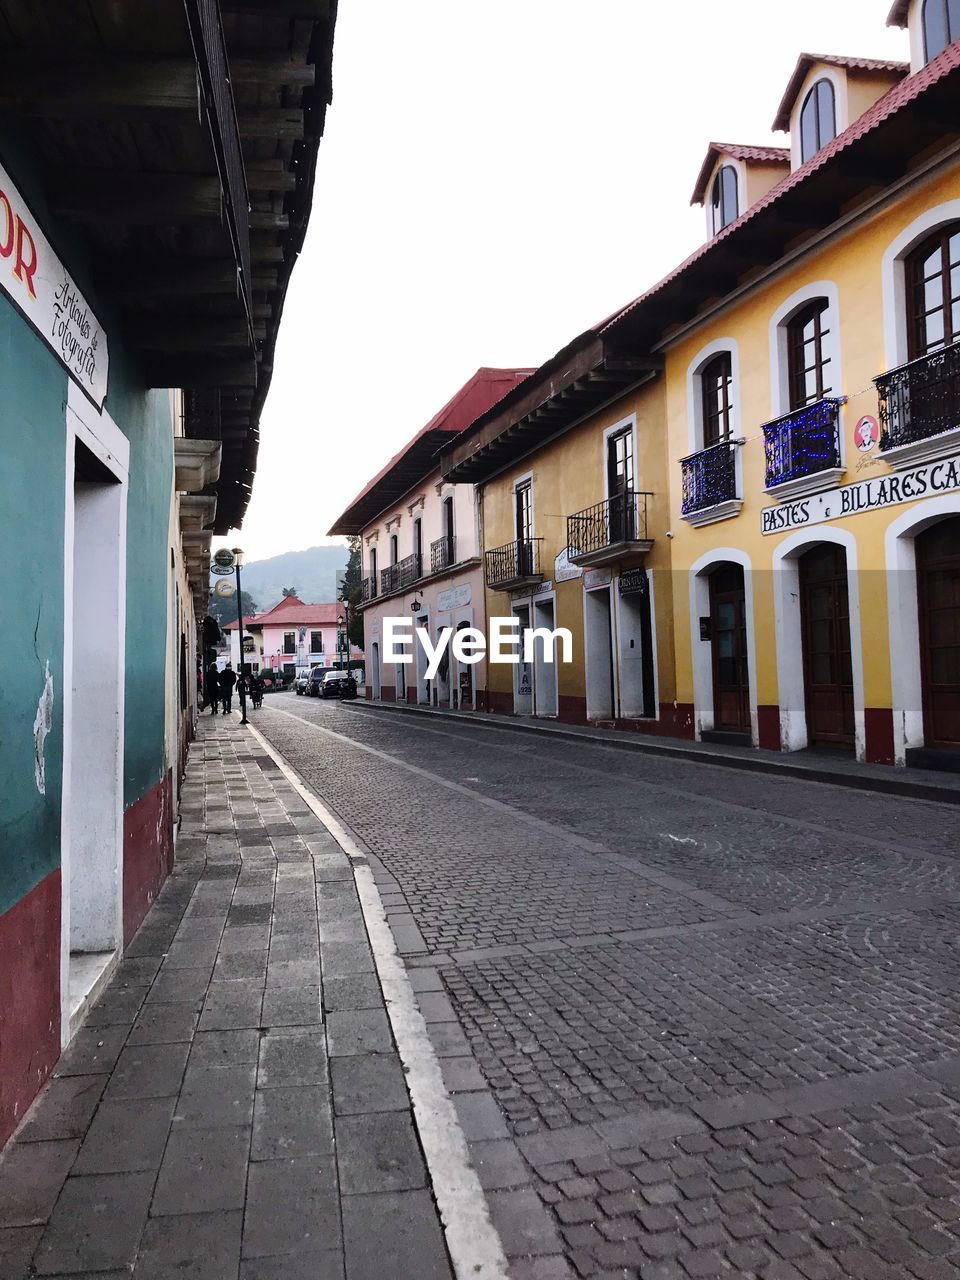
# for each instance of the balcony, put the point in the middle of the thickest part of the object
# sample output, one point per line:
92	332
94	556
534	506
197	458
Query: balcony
710	485
400	576
442	554
369	590
514	566
803	450
610	530
920	409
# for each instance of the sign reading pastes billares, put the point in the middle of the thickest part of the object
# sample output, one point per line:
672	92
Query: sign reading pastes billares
868	495
39	285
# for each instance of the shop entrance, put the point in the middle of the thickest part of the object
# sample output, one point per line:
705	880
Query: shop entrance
827	664
938	584
728	639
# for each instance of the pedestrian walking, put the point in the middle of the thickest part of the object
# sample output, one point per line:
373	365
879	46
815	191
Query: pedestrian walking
228	678
212	689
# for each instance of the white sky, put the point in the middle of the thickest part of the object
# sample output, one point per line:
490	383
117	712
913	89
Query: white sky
496	177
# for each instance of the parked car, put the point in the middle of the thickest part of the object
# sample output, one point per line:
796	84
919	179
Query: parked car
315	681
338	684
301	681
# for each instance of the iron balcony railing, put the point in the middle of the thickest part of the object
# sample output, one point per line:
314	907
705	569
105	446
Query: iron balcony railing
709	477
399	576
803	442
442	554
369	589
622	518
517	560
210	50
920	399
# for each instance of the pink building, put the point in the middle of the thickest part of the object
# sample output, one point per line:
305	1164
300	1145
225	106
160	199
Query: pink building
292	635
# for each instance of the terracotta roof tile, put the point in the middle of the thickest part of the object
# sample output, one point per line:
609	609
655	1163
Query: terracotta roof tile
754	155
808	60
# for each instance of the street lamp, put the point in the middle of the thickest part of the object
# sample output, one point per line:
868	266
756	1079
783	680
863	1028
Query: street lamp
237	562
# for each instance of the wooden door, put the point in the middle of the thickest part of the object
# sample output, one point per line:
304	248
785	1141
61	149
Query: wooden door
938	583
827	665
728	634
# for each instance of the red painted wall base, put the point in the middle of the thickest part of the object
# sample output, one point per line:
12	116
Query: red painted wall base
29	999
147	852
768	727
878	732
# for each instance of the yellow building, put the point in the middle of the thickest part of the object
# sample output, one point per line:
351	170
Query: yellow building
753	470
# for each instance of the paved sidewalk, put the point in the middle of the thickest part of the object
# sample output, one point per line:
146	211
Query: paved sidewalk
839	769
234	1108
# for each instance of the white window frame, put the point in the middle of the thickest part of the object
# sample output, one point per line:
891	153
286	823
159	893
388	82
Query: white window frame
779	346
894	276
629	421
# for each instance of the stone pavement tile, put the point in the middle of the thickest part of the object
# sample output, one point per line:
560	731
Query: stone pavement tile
344	929
378	1153
358	1031
16	1249
554	1267
148	1071
126	1137
180	986
136	972
523	1224
402	1226
292	1207
193	954
499	1164
203	1170
195	1246
292	1057
243	964
216	1097
352	991
479	1116
448	1040
436	1007
461	1074
96	1224
293	973
327	1265
339	958
64	1108
290	1122
291	1007
232	1005
164	1024
425	980
224	1048
242	939
31	1175
92	1051
368	1083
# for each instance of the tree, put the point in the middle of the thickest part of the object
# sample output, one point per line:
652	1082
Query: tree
224	608
289	591
350	584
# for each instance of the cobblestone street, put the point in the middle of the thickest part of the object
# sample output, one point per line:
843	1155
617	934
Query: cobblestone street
696	1021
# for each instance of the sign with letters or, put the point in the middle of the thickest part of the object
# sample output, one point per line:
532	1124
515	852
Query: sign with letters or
867	495
597	579
457	597
42	289
563	570
633	582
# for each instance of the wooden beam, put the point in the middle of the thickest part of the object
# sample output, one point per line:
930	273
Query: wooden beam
261	181
266	253
191	372
311	9
183	278
271	122
188	333
269	72
98	87
135	199
266	221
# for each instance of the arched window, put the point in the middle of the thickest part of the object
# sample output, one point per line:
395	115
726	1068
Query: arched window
807	359
394	547
724	198
933	292
716	384
818	119
941	26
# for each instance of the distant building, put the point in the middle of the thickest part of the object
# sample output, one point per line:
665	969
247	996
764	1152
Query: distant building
291	635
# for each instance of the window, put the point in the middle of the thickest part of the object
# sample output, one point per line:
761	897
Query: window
448	526
316	642
724	199
808	366
373	571
524	511
941	26
620	462
933	292
418	545
818	120
393	548
716	383
289	642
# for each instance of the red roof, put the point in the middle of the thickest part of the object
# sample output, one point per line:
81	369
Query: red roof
754	155
808	60
291	611
900	96
417	457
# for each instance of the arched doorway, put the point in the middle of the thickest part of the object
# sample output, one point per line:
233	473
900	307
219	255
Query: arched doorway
827	659
729	652
938	598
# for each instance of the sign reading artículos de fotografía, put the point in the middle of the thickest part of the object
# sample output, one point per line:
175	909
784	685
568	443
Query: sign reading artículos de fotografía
39	285
867	495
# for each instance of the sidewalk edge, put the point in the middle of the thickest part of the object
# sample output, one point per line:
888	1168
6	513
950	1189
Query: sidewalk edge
474	1245
894	785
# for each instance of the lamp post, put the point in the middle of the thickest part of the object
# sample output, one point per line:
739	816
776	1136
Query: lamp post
237	562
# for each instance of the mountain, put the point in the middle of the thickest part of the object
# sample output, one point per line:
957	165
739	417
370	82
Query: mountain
313	572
